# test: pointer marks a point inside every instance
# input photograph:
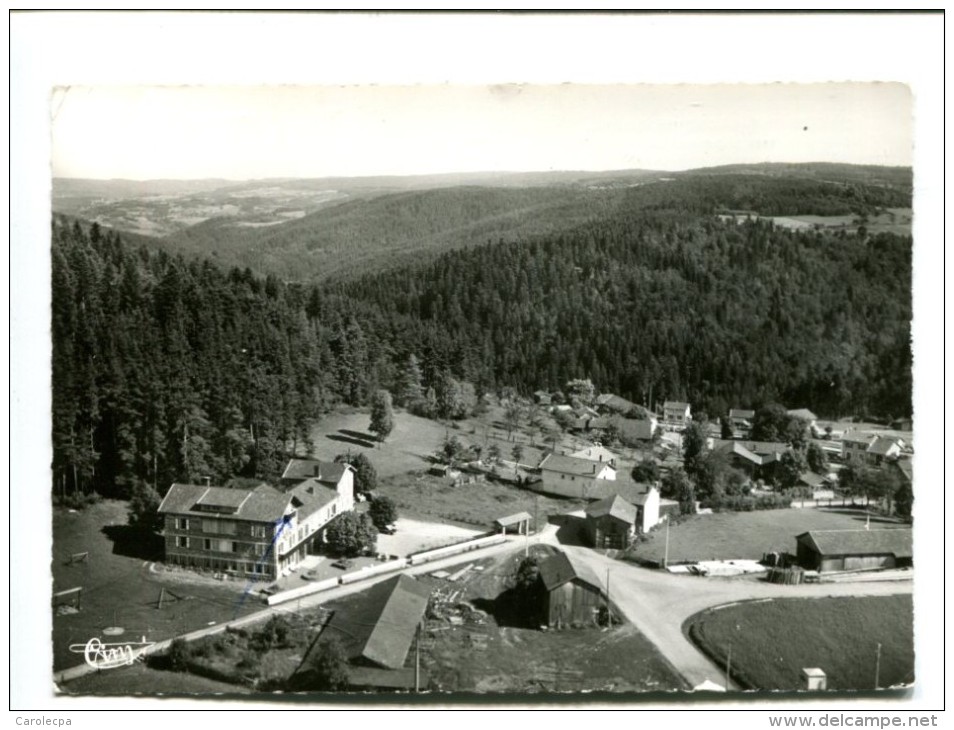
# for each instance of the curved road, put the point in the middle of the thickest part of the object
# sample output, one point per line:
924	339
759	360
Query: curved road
658	603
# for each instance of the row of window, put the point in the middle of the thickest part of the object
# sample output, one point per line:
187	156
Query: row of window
222	546
238	566
218	527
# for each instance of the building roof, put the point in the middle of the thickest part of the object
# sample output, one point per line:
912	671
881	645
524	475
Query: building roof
595	453
615	402
811	479
510	520
623	485
561	568
759	448
883	444
671	405
262	504
375	678
906	467
572	465
895	542
857	437
735	447
310	496
614	506
329	472
741	413
803	413
380	628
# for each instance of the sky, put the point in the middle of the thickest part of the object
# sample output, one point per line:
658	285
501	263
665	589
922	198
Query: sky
246	132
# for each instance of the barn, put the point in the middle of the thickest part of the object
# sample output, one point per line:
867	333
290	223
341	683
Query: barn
834	550
611	523
574	594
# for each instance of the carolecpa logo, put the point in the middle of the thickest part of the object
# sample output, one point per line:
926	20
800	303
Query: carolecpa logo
110	656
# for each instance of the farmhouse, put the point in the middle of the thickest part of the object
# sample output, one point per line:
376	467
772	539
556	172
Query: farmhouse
258	532
570	476
378	632
611	523
870	449
573	592
836	550
676	414
752	457
741	420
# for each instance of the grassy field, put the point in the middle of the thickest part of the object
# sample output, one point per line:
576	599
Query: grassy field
744	535
120	589
772	641
494	657
430	498
145	681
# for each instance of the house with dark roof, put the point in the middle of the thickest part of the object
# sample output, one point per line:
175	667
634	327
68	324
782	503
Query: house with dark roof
257	532
570	476
573	594
740	420
609	403
611	523
838	550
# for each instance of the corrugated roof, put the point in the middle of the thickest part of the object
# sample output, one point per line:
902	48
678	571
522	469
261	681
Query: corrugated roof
615	507
895	542
381	627
561	568
572	465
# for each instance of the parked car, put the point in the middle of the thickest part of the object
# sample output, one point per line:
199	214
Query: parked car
343	564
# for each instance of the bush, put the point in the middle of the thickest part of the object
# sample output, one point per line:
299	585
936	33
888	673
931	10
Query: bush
78	500
383	512
179	655
739	503
350	535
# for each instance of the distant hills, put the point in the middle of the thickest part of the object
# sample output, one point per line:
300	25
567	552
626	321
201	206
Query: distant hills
311	229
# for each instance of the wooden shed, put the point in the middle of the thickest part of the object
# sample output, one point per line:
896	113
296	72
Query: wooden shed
834	550
518	524
573	593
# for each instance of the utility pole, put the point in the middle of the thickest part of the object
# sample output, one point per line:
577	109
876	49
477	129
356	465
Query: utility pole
878	667
666	554
728	666
417	660
609	611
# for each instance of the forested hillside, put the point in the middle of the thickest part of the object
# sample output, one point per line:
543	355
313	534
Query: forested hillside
167	368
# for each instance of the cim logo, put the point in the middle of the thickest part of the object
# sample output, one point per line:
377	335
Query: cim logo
109	656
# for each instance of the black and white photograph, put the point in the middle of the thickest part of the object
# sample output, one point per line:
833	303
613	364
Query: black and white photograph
434	392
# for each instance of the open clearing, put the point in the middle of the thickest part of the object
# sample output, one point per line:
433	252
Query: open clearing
838	635
434	498
120	590
745	535
414	536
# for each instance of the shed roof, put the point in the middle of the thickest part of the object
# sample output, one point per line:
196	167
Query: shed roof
811	479
741	413
614	506
381	628
561	568
883	444
895	542
513	519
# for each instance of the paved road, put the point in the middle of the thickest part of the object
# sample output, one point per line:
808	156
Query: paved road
658	603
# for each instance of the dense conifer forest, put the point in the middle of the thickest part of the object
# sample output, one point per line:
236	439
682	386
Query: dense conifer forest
167	368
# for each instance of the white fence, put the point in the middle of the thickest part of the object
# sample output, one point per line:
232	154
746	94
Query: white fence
462	547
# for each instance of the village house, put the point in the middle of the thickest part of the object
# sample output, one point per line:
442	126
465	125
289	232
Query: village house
806	415
596	453
754	458
570	476
740	420
867	449
261	532
573	595
609	403
838	550
676	414
611	523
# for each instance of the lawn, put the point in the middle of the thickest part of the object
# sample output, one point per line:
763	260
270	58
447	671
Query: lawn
142	680
744	535
121	587
430	498
773	640
490	657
